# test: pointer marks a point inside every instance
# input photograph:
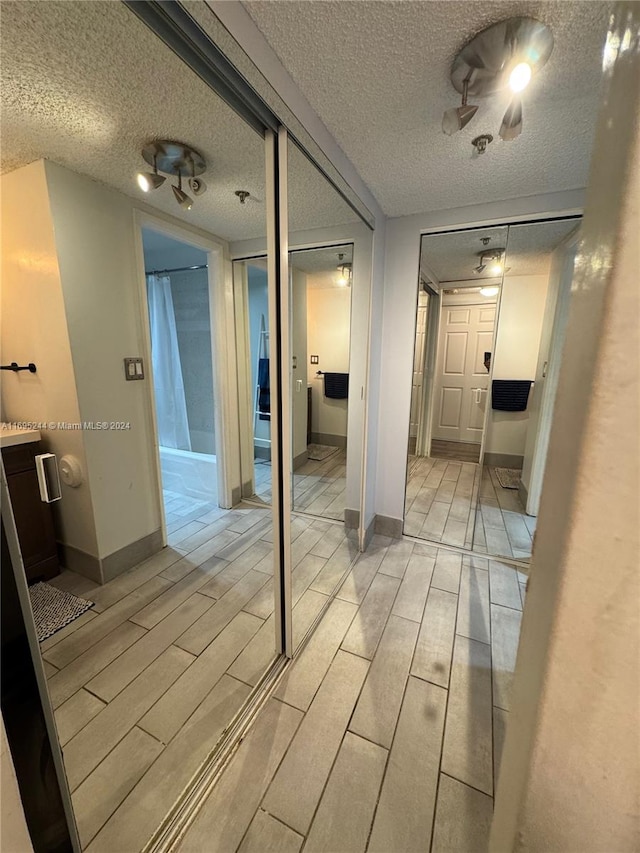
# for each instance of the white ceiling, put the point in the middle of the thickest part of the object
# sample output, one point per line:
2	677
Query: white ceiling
451	257
88	84
379	80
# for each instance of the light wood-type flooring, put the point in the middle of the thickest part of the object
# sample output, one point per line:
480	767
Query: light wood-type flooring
386	733
144	684
445	503
502	526
318	487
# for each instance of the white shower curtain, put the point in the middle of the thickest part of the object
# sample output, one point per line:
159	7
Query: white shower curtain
171	404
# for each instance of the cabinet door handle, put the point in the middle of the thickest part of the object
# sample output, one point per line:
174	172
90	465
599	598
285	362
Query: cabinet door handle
48	478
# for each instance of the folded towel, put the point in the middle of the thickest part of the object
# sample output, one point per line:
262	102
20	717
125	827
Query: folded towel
264	392
336	386
510	395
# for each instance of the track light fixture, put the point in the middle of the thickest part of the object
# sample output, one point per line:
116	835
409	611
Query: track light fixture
182	198
150	180
491	260
175	159
455	119
345	271
506	55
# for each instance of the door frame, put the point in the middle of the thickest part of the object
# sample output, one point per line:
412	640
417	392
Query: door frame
222	353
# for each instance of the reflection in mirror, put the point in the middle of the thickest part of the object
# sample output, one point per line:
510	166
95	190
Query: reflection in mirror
460	279
533	313
325	274
149	650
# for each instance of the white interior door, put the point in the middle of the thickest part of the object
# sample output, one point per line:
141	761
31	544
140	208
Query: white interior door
462	380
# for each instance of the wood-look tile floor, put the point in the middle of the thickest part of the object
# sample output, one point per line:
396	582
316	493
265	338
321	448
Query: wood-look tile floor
386	733
144	683
442	506
502	525
440	500
318	487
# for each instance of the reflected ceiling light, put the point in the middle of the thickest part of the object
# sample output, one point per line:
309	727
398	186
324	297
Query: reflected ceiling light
511	126
182	198
455	119
345	272
150	180
491	260
175	159
489	291
506	55
520	77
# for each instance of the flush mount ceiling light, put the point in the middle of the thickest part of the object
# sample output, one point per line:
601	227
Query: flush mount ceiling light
177	160
489	291
505	56
345	271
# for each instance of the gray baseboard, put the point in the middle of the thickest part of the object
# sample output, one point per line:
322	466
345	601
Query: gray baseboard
300	459
387	526
327	438
80	562
503	460
262	452
352	519
129	556
368	533
102	570
523	494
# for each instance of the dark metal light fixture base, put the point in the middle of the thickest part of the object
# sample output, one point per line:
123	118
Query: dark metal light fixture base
174	158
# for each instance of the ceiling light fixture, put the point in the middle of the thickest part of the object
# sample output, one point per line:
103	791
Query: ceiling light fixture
150	180
511	126
455	119
177	160
491	260
182	198
345	272
520	77
506	55
489	291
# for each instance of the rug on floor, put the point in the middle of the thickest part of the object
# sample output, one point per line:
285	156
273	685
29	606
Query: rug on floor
320	452
509	478
53	608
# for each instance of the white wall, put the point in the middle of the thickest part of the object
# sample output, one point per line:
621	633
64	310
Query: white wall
397	338
328	323
34	328
516	355
569	779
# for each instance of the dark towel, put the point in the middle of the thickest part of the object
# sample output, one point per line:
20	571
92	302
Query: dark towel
264	392
510	395
336	386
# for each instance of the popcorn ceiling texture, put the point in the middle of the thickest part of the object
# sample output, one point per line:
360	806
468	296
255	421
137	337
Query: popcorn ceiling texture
87	84
377	74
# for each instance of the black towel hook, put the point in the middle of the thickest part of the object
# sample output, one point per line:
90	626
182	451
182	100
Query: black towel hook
15	367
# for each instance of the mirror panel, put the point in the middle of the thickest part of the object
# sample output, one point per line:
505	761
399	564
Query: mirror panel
172	575
533	312
460	279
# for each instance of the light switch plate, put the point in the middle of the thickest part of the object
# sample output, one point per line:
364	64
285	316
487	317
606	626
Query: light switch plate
315	359
133	369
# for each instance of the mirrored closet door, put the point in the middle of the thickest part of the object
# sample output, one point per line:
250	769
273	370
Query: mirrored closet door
491	309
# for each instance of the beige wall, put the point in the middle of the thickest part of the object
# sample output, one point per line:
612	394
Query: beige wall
95	241
34	328
329	315
516	355
570	777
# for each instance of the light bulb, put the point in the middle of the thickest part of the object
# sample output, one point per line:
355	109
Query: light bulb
341	281
495	269
489	291
520	77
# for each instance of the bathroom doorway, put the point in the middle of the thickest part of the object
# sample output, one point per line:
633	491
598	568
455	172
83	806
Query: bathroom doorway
180	308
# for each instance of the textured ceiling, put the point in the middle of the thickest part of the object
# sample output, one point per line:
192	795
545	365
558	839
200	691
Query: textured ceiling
451	257
87	84
379	80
